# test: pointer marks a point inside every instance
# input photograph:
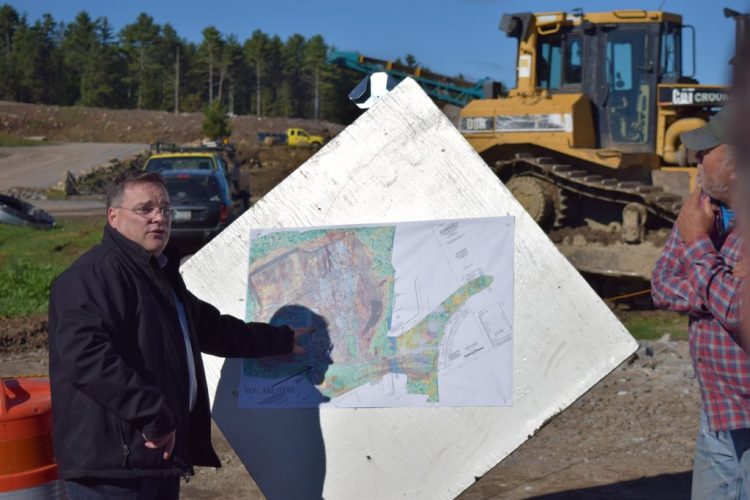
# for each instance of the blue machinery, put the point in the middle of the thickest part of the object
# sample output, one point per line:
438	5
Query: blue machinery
444	88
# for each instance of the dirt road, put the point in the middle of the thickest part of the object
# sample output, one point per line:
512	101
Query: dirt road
43	166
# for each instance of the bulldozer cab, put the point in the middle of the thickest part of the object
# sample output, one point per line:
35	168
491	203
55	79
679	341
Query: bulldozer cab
616	64
588	141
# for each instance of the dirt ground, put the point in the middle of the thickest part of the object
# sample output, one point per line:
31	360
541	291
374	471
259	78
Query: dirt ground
630	437
44	166
79	124
80	139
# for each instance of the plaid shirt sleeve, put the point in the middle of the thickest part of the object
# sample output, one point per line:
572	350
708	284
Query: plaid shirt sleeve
713	287
670	288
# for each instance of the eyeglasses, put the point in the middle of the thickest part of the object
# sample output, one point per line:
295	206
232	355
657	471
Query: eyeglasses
148	211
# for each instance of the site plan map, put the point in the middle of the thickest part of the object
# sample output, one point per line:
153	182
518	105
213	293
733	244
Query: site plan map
404	314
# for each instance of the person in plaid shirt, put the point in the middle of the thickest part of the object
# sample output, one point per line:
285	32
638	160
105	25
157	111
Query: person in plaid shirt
699	272
741	146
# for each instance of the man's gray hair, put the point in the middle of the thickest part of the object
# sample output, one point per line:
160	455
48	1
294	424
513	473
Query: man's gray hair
117	186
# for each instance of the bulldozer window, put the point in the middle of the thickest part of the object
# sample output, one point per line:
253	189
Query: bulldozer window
629	92
669	50
573	63
549	63
619	63
560	61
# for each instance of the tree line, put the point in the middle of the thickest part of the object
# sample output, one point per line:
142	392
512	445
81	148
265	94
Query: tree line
149	66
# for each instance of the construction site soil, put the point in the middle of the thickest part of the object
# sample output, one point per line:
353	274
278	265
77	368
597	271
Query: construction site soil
630	437
79	124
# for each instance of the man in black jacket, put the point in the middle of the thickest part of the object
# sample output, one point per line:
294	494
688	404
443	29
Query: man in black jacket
130	403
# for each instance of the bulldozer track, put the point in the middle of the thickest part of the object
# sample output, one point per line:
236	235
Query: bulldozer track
659	203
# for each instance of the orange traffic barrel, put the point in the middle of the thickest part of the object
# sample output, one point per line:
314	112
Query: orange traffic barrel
27	465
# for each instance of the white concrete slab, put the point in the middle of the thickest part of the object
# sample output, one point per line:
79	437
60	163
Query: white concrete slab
403	160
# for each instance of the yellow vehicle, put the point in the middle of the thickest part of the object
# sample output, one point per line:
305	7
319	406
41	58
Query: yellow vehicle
187	158
589	139
292	137
300	137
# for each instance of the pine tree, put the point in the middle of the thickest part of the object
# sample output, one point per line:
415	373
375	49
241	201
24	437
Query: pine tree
83	60
102	71
35	61
216	122
211	49
317	75
254	51
193	87
236	72
141	43
295	88
173	63
411	61
10	23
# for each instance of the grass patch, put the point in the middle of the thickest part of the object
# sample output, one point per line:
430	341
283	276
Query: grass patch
31	258
12	141
55	194
654	324
24	287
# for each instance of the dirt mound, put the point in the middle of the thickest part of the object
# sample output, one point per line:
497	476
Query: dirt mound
275	164
23	334
79	124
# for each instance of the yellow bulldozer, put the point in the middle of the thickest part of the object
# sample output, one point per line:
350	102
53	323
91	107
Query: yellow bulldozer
589	139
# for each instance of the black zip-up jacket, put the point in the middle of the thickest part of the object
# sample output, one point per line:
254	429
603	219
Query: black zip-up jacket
118	365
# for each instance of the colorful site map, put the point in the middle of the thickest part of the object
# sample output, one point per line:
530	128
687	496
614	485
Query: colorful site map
406	314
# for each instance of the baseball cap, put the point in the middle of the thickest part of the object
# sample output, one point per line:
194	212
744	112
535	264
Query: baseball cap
713	133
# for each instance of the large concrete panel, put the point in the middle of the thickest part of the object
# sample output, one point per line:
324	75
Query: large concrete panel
403	161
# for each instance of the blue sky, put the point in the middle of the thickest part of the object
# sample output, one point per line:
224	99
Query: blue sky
448	36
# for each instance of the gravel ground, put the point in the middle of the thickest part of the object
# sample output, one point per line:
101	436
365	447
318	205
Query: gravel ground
43	166
630	437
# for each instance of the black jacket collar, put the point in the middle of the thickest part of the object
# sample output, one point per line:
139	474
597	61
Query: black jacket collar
136	252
